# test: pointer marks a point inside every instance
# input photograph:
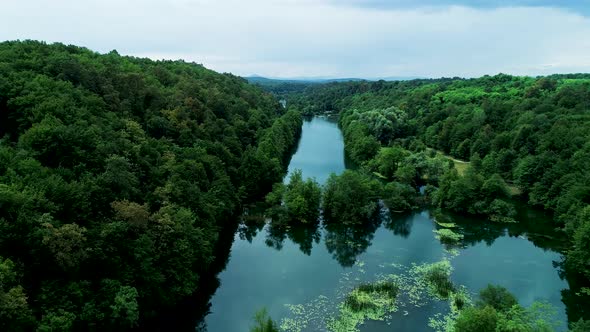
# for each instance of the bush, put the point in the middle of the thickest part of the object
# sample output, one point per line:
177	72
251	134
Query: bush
497	297
350	198
477	320
399	197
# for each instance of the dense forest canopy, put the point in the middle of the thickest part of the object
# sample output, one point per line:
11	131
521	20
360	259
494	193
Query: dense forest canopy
117	175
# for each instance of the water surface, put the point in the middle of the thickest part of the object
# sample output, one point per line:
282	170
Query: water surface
272	267
320	150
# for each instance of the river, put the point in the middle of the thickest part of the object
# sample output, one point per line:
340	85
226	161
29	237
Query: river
312	267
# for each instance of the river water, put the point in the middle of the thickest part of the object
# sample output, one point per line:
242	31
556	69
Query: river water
312	267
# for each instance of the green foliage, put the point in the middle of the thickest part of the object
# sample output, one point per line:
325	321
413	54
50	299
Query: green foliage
125	307
477	320
399	197
437	277
473	194
497	297
579	255
15	314
262	167
298	201
447	236
498	310
388	160
302	198
366	301
580	326
350	198
117	175
57	321
363	297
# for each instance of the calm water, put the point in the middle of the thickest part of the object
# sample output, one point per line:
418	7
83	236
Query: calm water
274	267
320	151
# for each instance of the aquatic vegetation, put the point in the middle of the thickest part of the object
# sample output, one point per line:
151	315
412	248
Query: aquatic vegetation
451	252
446	224
409	287
314	313
447	236
399	290
373	301
442	219
436	277
458	300
398	287
502	219
368	296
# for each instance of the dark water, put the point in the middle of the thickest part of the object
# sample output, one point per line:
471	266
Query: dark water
271	268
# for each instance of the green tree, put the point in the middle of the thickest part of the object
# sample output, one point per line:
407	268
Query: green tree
15	314
388	160
302	198
399	197
497	297
579	256
125	307
350	198
477	320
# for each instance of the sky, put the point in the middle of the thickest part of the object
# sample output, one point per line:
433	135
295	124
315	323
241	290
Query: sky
322	38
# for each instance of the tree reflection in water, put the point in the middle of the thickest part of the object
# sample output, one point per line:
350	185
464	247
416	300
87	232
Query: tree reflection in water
399	223
347	242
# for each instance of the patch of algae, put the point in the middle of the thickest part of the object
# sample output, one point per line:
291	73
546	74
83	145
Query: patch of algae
355	303
446	224
374	301
447	236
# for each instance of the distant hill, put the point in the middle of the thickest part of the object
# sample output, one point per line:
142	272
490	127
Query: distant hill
255	79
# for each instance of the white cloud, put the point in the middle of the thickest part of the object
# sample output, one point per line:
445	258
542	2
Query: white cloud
314	38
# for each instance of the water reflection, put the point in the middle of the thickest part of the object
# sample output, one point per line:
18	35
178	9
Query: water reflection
574	297
346	243
496	253
399	224
532	225
253	221
303	235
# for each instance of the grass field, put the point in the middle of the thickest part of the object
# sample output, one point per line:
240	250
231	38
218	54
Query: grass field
460	165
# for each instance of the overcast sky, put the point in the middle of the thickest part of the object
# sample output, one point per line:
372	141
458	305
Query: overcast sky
327	38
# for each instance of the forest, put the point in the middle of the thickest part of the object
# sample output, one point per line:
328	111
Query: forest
117	177
120	177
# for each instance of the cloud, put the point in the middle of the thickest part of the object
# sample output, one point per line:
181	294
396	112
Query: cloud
580	6
315	38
